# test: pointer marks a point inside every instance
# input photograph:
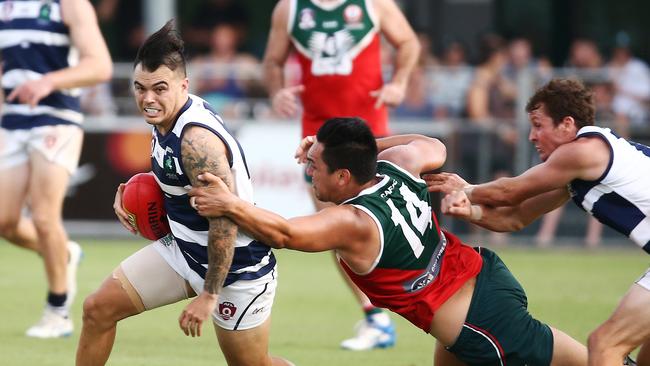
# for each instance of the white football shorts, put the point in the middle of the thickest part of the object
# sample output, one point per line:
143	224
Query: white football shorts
159	274
60	144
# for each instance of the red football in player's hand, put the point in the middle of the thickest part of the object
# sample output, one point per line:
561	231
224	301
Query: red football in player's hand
143	200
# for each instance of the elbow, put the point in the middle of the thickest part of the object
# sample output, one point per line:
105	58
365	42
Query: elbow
518	220
279	241
432	152
440	153
417	47
105	71
269	66
516	225
102	70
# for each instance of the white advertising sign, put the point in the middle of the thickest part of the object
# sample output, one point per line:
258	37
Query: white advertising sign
278	180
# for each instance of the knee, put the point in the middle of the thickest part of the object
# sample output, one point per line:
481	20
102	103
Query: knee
596	341
603	342
43	223
97	313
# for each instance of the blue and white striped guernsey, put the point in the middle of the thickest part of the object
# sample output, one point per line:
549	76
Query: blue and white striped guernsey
620	198
252	259
34	41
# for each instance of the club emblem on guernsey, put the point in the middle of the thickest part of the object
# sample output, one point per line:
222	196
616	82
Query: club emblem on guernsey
169	164
307	20
45	11
227	310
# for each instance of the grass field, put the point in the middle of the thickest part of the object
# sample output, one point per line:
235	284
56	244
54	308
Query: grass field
571	289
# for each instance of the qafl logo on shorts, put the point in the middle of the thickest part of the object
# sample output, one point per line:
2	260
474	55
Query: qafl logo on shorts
353	14
227	310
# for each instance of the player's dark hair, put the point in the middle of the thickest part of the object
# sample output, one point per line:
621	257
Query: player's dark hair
165	47
349	144
565	98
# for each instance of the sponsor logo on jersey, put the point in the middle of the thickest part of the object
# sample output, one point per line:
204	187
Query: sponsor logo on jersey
307	19
389	190
353	14
167	240
432	270
330	24
227	310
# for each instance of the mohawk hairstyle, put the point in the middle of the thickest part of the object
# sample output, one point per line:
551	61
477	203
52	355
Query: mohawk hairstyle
165	47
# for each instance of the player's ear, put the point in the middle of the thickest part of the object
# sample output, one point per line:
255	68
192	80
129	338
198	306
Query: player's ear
185	84
568	124
343	176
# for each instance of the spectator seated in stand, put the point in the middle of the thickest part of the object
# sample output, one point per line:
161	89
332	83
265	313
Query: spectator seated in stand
224	76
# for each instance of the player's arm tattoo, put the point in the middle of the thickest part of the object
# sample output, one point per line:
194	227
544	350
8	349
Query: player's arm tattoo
202	151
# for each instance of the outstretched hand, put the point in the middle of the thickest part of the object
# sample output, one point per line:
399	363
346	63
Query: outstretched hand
285	101
445	182
303	149
196	312
456	204
213	199
32	91
391	94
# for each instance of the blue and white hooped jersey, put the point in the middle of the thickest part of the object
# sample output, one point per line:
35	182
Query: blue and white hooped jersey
252	259
620	198
34	41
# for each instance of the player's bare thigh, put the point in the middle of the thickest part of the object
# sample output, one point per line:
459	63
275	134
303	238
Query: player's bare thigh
14	176
13	185
141	282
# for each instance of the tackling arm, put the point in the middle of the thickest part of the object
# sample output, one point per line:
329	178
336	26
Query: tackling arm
565	164
340	227
507	218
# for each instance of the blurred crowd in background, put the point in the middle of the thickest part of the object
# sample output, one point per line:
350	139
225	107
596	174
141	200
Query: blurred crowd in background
225	69
477	89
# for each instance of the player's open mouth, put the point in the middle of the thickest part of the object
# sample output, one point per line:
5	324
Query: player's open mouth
151	111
